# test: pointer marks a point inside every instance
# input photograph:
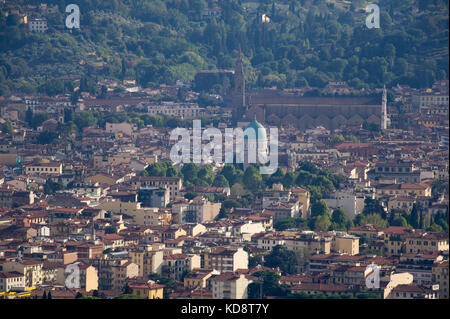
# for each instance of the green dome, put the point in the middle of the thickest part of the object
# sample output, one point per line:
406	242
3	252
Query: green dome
259	129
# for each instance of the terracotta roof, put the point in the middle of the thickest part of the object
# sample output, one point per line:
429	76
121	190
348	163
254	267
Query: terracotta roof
321	287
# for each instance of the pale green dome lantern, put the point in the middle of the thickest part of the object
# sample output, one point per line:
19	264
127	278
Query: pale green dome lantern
260	130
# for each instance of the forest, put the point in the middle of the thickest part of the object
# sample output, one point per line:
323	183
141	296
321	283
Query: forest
306	43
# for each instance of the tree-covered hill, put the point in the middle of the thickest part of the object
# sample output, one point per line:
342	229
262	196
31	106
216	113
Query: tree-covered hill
306	42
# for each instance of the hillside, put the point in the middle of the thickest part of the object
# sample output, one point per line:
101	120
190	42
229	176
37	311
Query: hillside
306	42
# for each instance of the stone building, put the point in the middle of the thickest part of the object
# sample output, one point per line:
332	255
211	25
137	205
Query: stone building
280	108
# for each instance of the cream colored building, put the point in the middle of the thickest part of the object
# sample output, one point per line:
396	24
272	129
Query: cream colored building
149	260
31	269
304	197
45	167
345	245
147	290
404	189
141	215
108	160
124	127
440	277
197	278
426	242
307	240
200	210
113	273
230	286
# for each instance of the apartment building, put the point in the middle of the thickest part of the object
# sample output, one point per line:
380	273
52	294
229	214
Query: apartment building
113	273
173	184
149	290
420	266
440	276
227	259
395	240
230	286
44	167
402	172
351	203
414	291
345	244
175	266
9	197
303	197
426	242
179	110
285	210
37	25
109	160
31	269
141	215
308	240
11	280
404	189
149	260
200	210
154	197
197	278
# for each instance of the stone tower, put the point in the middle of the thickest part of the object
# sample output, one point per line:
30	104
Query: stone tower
238	93
384	109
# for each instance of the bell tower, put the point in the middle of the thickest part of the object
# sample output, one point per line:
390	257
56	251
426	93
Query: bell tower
384	110
239	101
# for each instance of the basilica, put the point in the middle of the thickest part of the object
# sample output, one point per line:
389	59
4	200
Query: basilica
280	108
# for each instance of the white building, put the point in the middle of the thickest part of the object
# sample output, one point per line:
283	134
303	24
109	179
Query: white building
125	128
230	286
180	110
248	228
11	280
37	25
228	259
350	203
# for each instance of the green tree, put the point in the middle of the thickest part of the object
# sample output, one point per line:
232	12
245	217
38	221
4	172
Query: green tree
340	220
319	208
270	285
190	173
220	181
414	218
47	137
283	258
288	180
373	219
399	221
51	187
7	128
322	223
253	179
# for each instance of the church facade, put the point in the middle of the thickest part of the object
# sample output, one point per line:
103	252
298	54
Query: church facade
279	108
